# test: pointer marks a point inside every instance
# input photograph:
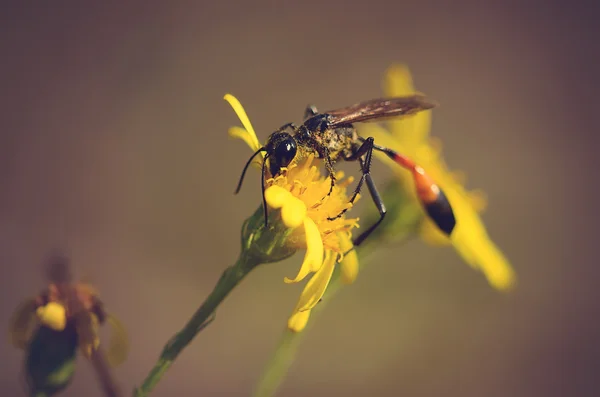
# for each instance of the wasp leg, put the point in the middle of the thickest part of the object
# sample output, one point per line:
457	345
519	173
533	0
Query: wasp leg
310	111
330	170
366	150
430	195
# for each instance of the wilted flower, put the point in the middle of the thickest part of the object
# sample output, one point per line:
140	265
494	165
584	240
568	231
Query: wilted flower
53	325
298	199
410	136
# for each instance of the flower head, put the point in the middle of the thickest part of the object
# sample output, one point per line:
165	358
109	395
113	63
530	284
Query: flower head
410	136
298	199
69	308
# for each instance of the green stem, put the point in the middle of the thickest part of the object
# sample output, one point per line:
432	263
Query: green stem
285	353
231	277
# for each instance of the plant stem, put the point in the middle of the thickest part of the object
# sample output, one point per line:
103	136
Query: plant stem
230	278
105	377
284	355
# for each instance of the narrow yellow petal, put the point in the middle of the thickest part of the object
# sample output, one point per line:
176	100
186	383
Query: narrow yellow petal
398	81
53	315
349	265
276	196
479	251
316	286
470	239
314	252
412	131
242	133
314	244
298	320
241	113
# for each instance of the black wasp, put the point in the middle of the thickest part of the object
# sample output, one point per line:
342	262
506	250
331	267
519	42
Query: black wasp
332	137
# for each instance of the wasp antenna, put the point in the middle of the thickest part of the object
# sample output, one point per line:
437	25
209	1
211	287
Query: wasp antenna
262	186
239	185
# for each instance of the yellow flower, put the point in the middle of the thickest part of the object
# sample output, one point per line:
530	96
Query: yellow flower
299	193
410	136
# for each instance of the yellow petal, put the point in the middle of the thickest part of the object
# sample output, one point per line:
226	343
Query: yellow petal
252	139
293	213
242	133
298	320
470	239
314	244
349	265
410	131
276	196
398	81
118	345
53	315
476	248
432	234
316	286
22	323
314	252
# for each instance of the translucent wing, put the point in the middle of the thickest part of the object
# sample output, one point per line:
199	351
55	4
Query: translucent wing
381	108
118	345
22	324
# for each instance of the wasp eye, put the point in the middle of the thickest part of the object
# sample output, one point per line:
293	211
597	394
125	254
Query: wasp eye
285	151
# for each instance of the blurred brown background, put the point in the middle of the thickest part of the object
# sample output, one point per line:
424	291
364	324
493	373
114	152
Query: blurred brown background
113	147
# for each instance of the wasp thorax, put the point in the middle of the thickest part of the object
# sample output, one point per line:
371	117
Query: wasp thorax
281	150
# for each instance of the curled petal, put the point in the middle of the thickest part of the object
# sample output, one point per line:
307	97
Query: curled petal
314	252
277	196
298	320
293	213
241	113
316	286
349	265
293	210
53	315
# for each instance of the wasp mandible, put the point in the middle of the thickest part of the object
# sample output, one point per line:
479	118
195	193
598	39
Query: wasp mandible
332	137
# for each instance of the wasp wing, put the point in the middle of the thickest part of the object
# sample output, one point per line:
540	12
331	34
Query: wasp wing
377	109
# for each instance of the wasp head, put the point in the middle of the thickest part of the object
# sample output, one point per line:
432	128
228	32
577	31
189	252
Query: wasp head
281	149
